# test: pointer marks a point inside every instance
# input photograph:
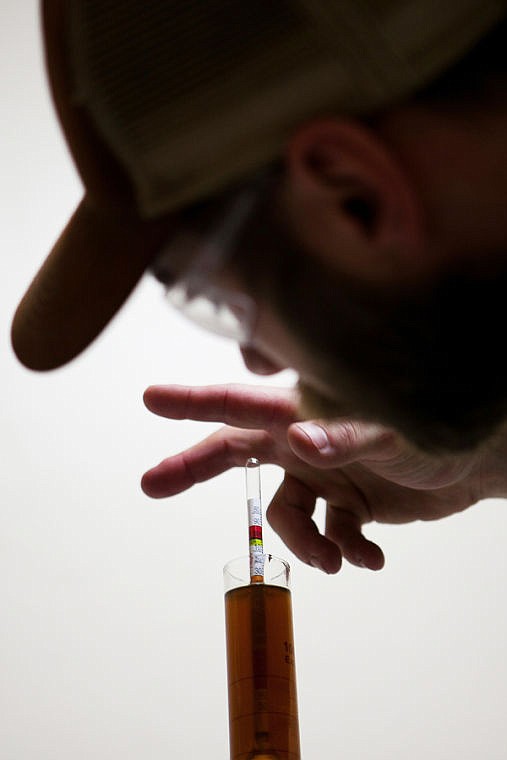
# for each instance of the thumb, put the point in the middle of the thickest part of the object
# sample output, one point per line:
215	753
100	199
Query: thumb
326	444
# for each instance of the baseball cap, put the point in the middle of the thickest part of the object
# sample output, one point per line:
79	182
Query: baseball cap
167	102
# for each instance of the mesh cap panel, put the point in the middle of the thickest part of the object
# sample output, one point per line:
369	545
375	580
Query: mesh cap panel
192	94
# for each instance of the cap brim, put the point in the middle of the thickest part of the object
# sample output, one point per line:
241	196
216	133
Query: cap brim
91	270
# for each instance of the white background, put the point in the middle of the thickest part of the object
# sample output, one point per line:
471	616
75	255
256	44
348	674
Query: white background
111	628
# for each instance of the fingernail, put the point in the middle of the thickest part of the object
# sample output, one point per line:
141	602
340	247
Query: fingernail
316	434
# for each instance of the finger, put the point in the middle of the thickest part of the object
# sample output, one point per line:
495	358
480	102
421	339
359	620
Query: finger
245	406
290	515
334	444
226	448
327	445
344	528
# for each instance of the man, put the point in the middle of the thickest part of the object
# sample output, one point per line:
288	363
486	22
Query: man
327	180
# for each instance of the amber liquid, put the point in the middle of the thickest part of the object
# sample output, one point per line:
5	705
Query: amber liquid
263	716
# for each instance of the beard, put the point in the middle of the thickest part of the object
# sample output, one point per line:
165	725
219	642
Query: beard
315	404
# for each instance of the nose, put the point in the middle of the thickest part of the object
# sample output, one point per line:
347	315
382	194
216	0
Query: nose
258	363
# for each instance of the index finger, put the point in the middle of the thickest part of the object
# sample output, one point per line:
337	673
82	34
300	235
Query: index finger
245	406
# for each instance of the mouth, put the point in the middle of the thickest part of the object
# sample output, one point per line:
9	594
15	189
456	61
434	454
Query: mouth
259	363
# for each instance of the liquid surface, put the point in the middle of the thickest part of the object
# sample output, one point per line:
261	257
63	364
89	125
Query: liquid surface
263	717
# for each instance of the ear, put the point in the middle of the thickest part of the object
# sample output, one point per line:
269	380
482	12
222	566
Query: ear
347	196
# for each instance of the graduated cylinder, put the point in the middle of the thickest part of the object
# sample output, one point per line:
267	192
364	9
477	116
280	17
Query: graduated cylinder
263	715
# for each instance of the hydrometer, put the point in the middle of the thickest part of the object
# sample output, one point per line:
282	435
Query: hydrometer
263	715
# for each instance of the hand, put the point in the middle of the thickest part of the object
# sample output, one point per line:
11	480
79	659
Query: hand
364	472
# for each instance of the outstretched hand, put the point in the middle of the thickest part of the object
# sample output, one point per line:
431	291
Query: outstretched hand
363	472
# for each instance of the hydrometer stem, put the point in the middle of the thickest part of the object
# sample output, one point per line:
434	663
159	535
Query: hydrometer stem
254	503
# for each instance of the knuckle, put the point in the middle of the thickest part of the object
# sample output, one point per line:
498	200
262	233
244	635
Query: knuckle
272	515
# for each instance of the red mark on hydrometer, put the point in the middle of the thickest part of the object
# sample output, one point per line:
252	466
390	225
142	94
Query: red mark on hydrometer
253	497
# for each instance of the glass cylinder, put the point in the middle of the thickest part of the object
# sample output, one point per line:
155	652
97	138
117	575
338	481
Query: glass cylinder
263	715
